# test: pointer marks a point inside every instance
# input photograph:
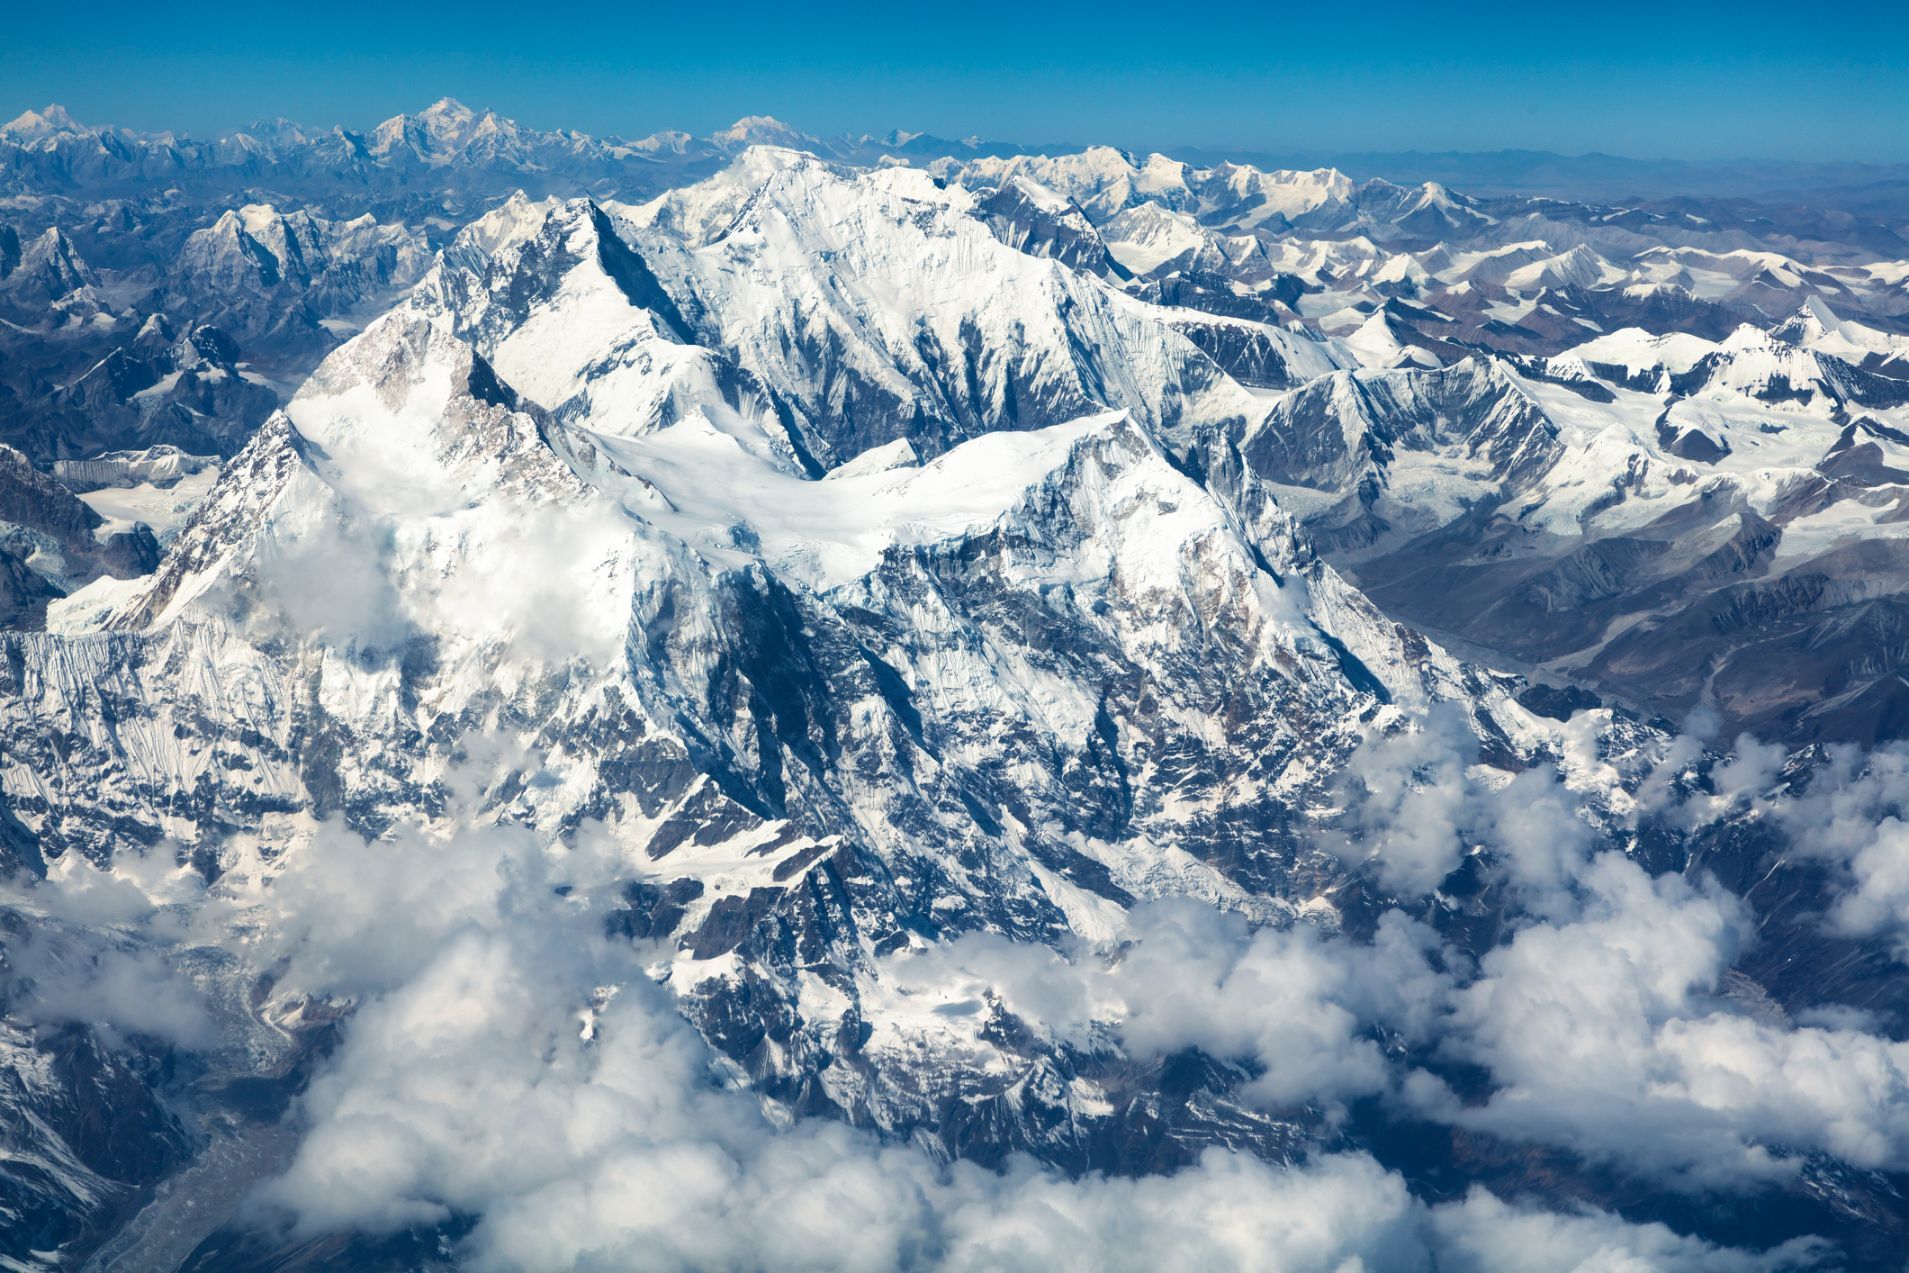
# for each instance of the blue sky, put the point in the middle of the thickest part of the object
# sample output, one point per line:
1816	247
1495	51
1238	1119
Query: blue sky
1681	80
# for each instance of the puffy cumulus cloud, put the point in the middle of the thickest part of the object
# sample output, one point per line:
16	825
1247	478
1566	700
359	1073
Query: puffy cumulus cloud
1298	1004
1415	803
89	948
1848	794
1607	1036
1843	808
1343	1212
1879	872
133	894
83	976
1601	1022
474	1081
594	1139
321	914
1697	777
325	571
549	588
1848	811
1483	1234
545	581
1408	798
506	1061
1853	815
1747	773
1535	827
585	1132
1604	1033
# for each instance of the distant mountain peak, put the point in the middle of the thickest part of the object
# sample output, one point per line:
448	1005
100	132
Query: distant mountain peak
48	121
448	108
760	130
670	140
1812	320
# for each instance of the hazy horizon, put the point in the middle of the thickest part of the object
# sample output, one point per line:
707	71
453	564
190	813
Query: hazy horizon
1702	83
1310	155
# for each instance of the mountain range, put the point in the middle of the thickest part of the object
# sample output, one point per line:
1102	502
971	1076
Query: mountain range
757	700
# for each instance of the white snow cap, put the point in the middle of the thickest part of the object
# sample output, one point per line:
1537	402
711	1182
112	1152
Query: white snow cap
50	121
759	130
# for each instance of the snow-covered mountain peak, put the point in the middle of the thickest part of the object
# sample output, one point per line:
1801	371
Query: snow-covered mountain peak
50	266
573	317
1377	345
671	141
761	130
1816	327
1754	363
405	466
53	245
1577	267
706	209
1635	350
546	289
448	112
1749	338
278	132
289	260
1052	202
879	305
1286	192
448	131
1100	179
1812	321
515	219
37	125
1149	237
278	233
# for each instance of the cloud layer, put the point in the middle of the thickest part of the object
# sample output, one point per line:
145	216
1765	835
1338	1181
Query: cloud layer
504	1060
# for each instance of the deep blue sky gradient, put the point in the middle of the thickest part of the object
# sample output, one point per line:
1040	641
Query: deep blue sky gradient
1701	80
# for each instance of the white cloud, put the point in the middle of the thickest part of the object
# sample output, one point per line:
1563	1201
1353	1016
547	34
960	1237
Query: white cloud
1296	1003
490	1073
506	1061
1854	816
1608	1036
1407	798
84	977
1416	802
88	948
1483	1234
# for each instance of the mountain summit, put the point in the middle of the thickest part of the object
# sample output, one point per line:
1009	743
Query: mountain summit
32	126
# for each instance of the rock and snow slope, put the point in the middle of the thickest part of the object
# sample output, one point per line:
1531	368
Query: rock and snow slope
1682	521
528	550
799	604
